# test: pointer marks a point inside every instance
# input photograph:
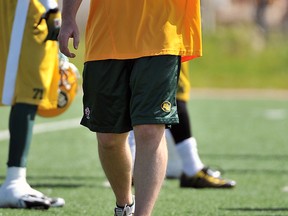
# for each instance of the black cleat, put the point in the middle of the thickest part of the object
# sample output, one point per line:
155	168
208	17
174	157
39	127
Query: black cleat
205	179
34	202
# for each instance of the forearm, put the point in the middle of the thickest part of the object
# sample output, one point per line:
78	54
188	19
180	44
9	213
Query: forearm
70	8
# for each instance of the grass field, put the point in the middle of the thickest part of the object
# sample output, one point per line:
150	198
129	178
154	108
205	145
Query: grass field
244	137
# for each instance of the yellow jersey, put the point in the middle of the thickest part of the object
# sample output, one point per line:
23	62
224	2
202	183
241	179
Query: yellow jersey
37	71
129	29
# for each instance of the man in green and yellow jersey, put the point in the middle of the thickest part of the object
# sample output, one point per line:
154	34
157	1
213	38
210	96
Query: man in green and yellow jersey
29	78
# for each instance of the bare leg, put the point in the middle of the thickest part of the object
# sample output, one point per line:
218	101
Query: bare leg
150	166
115	157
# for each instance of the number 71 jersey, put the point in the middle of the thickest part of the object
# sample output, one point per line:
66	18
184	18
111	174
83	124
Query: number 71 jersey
36	64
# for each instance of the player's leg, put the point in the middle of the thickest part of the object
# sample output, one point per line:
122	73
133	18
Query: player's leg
106	111
21	122
174	164
185	143
15	191
116	162
150	166
195	174
153	104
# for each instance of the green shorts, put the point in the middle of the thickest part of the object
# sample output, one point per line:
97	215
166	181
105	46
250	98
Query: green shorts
119	94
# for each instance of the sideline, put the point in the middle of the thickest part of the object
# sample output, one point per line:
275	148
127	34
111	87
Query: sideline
48	127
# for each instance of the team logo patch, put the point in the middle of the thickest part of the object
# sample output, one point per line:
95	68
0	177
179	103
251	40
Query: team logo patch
87	113
166	106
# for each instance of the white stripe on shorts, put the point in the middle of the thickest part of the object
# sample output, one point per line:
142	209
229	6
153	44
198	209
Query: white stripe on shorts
14	51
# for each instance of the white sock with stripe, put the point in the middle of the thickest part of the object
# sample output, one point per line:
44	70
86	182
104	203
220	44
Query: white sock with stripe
188	152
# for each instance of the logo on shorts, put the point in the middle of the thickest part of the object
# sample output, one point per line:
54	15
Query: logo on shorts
166	106
87	113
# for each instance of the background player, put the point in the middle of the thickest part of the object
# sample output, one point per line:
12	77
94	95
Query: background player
194	173
28	28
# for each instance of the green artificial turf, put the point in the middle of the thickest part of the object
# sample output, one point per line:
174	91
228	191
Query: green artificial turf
245	138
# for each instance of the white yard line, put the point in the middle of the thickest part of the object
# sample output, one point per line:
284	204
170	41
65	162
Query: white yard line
48	127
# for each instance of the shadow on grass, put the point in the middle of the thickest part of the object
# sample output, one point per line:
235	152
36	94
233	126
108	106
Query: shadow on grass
256	171
77	178
69	185
57	185
250	209
253	157
66	181
247	156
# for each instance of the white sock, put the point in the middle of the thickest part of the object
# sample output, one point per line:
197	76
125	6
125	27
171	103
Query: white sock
188	152
16	185
15	174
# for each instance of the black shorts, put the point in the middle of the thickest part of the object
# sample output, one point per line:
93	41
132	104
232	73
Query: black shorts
119	94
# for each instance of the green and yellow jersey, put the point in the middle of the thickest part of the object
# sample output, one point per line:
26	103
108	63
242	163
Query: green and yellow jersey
36	69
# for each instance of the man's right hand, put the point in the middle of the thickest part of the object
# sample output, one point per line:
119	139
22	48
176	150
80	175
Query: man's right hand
69	29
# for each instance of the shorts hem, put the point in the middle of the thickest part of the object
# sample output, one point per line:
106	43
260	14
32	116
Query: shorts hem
98	129
155	121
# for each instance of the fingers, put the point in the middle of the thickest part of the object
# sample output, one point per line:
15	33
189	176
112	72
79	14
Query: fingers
76	41
63	45
64	35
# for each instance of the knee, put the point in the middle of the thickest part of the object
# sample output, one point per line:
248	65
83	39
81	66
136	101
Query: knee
110	141
145	131
149	133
